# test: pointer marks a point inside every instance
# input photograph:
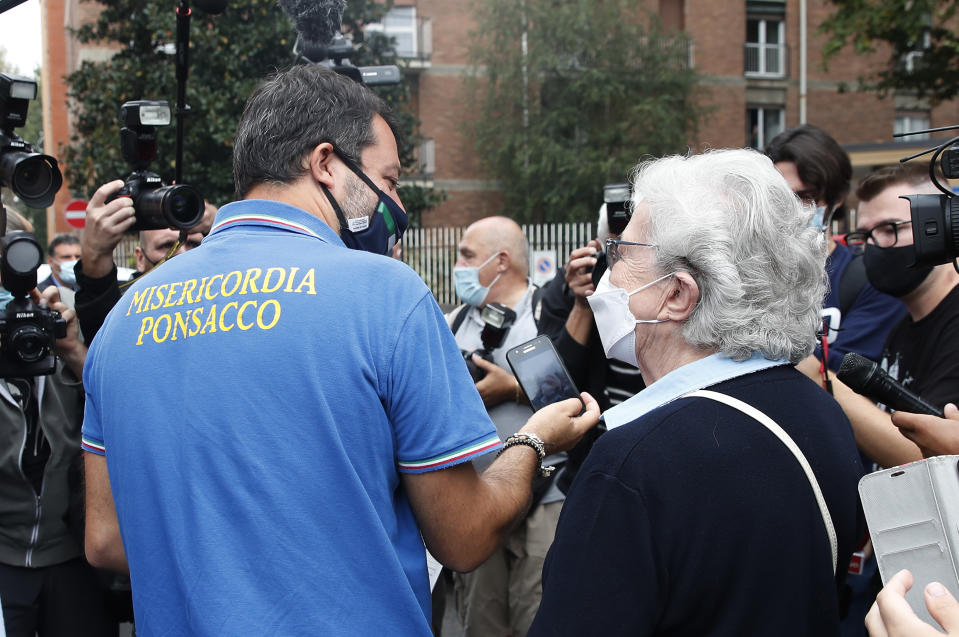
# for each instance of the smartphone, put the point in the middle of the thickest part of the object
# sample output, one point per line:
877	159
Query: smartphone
541	373
913	512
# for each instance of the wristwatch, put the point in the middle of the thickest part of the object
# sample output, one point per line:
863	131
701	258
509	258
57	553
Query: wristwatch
534	441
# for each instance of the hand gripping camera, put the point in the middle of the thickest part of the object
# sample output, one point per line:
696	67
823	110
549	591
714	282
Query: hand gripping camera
28	332
33	177
617	199
156	204
498	319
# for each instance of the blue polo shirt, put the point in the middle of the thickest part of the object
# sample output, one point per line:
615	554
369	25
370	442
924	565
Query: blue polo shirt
257	400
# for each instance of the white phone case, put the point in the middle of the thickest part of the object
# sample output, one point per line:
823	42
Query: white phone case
913	517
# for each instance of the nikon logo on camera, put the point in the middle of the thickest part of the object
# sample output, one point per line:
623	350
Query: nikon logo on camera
210	317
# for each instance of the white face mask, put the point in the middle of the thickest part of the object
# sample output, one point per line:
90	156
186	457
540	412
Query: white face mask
614	321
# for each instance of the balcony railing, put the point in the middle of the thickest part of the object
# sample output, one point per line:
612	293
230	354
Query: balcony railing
765	60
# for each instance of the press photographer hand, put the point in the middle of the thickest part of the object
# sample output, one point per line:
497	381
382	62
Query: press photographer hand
105	225
70	348
497	386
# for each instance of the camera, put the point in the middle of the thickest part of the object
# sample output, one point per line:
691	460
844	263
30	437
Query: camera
618	201
497	319
28	332
619	208
336	56
156	204
33	177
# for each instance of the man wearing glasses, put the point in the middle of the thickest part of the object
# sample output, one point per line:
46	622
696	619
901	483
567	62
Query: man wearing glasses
922	350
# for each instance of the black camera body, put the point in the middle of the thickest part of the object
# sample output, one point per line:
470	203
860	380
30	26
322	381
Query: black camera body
156	205
498	320
935	228
336	55
28	332
35	178
28	336
619	209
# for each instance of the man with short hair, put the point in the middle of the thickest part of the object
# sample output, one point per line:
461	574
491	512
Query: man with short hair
338	419
501	596
62	255
922	350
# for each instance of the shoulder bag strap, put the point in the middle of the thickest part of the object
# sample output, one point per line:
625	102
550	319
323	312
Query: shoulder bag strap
778	431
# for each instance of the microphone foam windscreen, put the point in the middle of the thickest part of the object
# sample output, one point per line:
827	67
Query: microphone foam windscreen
317	21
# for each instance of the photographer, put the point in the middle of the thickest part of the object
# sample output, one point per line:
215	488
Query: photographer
501	596
106	223
338	418
45	583
568	320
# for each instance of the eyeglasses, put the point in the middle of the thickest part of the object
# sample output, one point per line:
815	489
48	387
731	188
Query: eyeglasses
614	249
884	235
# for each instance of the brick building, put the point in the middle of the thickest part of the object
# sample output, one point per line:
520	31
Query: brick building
749	52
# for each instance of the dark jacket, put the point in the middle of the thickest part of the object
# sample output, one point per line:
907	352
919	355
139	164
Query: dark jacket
45	529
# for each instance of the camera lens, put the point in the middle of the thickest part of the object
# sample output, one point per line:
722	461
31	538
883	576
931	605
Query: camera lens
29	343
183	205
33	177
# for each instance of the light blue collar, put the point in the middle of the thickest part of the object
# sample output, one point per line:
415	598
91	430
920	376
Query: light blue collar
705	372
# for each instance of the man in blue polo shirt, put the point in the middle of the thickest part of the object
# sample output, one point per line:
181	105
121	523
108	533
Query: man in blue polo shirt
338	416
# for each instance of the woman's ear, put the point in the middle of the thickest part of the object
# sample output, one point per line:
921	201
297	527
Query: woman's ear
683	297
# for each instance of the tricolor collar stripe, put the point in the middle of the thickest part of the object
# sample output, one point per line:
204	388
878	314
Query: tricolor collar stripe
280	221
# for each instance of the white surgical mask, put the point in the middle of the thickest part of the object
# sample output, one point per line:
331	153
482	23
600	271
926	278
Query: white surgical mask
614	321
67	275
467	285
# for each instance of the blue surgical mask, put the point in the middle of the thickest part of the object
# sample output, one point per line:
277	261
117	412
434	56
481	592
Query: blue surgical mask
67	275
820	218
380	231
5	297
467	285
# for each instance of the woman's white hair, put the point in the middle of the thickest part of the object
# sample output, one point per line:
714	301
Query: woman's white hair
728	218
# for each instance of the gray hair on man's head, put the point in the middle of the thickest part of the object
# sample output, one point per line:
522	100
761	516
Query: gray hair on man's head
294	111
728	218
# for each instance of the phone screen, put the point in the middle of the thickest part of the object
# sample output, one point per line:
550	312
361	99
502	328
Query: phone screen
541	373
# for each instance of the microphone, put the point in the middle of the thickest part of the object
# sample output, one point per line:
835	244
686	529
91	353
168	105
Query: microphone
213	7
865	377
317	21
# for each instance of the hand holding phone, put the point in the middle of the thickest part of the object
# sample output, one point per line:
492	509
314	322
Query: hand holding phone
541	373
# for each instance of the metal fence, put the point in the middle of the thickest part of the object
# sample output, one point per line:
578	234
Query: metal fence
432	251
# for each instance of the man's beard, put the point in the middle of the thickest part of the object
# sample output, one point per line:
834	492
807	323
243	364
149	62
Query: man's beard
360	201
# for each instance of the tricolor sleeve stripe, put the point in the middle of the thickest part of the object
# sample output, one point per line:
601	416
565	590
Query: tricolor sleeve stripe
452	458
88	444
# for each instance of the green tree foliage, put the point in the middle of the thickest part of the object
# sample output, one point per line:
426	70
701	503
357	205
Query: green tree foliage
229	54
903	28
598	87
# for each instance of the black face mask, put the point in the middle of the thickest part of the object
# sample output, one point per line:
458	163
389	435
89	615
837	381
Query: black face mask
889	271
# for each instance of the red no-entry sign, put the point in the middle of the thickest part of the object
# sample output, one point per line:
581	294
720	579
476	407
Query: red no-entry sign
76	213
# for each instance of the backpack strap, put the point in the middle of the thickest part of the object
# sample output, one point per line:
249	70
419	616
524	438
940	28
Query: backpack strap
459	315
852	281
778	431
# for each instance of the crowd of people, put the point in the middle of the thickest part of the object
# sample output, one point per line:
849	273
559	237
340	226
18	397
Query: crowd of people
280	428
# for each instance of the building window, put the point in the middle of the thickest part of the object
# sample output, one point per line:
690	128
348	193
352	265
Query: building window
911	122
765	47
762	124
399	23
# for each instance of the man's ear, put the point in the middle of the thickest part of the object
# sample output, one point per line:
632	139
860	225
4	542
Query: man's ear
321	159
683	296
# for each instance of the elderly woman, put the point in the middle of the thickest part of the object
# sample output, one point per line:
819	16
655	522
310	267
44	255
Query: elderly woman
730	511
